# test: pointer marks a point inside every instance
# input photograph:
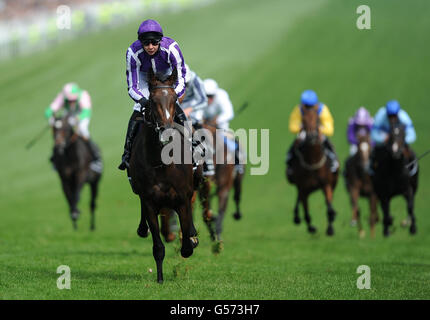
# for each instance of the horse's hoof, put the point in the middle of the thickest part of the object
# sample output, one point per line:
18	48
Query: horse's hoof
330	231
353	223
92	228
194	241
312	229
297	220
237	215
75	215
142	233
386	233
160	281
413	229
185	252
362	234
217	247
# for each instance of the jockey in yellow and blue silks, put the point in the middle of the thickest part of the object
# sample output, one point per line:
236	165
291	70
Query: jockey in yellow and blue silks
308	99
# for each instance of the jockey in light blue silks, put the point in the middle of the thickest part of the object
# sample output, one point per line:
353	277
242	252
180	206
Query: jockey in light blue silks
362	122
162	54
381	127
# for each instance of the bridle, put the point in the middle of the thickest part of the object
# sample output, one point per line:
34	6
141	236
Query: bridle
153	122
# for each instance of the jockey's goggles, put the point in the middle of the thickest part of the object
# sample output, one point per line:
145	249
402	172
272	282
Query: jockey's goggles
154	42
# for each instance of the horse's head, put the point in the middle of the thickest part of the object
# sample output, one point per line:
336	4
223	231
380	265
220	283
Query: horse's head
63	132
162	101
310	123
364	146
396	140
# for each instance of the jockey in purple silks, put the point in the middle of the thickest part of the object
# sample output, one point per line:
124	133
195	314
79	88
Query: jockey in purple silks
153	51
362	122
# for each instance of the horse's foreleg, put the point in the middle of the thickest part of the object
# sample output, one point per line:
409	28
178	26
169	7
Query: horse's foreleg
158	250
204	191
222	205
304	200
296	210
142	230
410	205
237	193
387	221
189	240
166	215
354	195
328	193
373	201
94	192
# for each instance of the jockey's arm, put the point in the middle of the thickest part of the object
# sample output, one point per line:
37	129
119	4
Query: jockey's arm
132	74
55	106
411	135
227	112
85	106
379	132
326	122
295	123
177	61
350	132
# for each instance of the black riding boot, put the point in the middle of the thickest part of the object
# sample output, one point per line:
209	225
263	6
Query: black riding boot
133	125
289	160
237	165
96	162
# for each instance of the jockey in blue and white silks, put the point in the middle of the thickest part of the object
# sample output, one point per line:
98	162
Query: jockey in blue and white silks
381	131
195	97
381	126
162	54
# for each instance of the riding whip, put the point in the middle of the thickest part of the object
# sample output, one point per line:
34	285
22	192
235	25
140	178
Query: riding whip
35	139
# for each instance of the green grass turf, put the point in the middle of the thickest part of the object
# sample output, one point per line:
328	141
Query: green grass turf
264	52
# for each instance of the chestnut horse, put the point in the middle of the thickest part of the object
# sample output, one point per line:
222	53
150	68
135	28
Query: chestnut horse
162	186
358	182
225	178
311	169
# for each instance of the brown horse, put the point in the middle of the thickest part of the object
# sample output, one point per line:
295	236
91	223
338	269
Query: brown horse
311	169
225	178
72	159
358	182
159	185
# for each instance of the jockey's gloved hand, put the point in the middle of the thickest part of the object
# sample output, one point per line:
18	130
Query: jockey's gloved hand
143	103
51	121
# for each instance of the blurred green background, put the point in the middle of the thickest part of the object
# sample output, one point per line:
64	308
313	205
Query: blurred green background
264	52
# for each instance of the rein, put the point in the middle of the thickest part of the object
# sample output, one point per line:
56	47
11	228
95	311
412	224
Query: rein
313	166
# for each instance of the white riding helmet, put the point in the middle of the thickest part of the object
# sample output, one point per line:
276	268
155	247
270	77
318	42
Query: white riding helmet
211	87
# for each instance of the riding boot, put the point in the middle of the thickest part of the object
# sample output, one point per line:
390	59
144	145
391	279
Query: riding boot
289	160
334	163
96	163
132	128
237	157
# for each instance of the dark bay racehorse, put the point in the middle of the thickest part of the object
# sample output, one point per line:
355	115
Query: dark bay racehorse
226	177
311	169
72	159
358	182
392	177
158	185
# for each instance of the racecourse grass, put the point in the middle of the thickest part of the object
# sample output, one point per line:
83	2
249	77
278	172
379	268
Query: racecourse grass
264	52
